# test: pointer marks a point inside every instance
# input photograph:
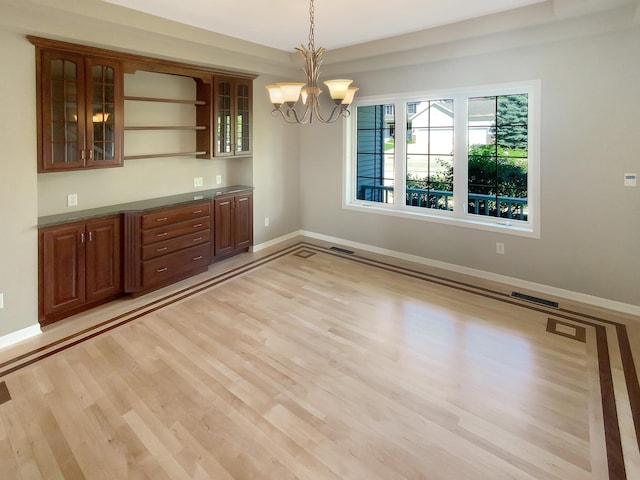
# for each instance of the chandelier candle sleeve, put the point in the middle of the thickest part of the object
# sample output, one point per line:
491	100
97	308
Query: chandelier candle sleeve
285	95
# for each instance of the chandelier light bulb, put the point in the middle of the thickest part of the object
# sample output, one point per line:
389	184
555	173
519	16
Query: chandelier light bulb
338	88
275	95
290	91
351	91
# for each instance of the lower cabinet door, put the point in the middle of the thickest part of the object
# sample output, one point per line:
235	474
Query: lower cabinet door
223	231
63	269
104	258
243	221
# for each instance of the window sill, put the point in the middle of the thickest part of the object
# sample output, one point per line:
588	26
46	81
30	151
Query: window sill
501	226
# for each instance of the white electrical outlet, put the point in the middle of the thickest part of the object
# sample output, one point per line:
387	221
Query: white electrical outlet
198	182
1	300
266	221
72	200
219	179
500	248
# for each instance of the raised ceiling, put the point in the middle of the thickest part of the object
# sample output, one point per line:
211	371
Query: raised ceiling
284	24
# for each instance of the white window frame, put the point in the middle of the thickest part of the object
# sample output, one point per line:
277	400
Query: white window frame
459	215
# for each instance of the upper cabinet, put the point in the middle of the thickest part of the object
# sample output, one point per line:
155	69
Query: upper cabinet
81	107
232	116
80	103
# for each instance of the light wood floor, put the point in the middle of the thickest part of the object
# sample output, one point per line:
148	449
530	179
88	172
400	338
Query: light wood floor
303	363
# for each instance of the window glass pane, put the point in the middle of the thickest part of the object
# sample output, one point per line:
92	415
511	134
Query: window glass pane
72	153
375	153
429	157
59	153
96	73
56	69
498	158
69	70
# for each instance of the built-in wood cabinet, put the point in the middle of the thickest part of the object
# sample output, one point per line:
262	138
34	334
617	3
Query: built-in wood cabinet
139	248
233	99
80	107
166	244
233	230
80	266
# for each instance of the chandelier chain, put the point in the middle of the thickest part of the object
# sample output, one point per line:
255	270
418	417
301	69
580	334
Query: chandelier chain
311	26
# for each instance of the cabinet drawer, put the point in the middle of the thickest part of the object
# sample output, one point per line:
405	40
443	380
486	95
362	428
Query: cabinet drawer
175	264
173	215
175	244
176	230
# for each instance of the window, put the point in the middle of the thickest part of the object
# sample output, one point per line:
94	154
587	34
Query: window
468	157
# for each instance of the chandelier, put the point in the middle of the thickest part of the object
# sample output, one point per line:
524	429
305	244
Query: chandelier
284	96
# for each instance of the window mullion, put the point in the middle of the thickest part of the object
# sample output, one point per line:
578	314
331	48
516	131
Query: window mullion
400	154
460	154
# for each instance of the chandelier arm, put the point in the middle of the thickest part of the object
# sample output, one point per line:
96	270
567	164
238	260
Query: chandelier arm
287	117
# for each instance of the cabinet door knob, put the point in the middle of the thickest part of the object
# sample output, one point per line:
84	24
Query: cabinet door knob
160	270
197	211
91	236
163	219
197	225
82	238
199	257
161	249
197	239
163	234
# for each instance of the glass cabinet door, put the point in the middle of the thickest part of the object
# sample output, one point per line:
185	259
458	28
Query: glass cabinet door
232	116
80	107
243	117
224	124
104	96
62	113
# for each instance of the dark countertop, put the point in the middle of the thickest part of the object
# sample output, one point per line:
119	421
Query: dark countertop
140	205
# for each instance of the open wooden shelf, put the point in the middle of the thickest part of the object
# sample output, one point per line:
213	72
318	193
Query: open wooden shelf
167	127
165	100
160	155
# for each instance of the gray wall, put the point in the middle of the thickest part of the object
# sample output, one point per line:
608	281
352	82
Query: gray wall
590	223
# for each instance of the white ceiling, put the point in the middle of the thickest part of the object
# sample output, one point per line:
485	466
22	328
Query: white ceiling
284	24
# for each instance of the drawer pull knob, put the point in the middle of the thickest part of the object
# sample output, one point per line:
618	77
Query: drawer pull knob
197	225
163	234
199	257
197	211
162	270
197	239
163	219
161	249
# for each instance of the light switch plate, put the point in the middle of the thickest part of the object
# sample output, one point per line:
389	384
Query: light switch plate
72	200
198	182
630	179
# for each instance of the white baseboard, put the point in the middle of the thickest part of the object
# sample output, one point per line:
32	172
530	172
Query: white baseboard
275	241
20	335
515	282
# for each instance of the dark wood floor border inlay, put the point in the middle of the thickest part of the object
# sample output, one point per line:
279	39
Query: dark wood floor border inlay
580	333
5	396
613	442
304	254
